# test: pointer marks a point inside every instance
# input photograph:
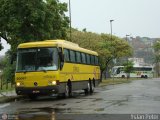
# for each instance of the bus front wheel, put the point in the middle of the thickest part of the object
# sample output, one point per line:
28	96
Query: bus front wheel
86	91
146	76
123	76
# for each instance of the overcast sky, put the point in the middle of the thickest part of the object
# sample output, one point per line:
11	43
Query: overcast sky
135	17
132	17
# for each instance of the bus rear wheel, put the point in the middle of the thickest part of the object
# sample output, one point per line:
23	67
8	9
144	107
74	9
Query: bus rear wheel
91	86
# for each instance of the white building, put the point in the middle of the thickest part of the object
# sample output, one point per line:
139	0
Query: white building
137	61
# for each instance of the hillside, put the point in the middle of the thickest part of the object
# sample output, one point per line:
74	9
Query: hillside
142	48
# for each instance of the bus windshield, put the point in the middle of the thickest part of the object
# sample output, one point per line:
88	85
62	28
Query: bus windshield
37	59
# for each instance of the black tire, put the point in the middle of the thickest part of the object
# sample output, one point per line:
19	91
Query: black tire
91	86
123	76
86	91
68	89
146	76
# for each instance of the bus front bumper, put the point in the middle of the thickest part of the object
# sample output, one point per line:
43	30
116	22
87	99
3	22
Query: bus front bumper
37	90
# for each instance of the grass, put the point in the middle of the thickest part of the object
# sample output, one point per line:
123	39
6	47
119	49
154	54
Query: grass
114	81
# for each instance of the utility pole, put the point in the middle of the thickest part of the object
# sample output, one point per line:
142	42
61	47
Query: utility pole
70	20
111	27
111	44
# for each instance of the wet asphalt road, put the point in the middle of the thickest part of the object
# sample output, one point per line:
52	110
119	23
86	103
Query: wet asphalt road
137	97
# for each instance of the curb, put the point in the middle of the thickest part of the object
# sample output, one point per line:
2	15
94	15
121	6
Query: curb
6	99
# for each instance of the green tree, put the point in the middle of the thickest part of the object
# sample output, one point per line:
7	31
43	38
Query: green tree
157	51
156	47
85	39
8	69
112	49
2	63
128	68
32	20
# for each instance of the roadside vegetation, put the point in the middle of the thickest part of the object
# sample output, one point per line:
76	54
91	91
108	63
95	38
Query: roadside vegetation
114	81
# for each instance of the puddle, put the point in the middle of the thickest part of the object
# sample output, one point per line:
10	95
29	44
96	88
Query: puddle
36	116
157	98
119	102
31	114
99	109
45	113
61	104
141	97
97	99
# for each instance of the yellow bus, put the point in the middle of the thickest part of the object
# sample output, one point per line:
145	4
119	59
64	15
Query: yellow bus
55	67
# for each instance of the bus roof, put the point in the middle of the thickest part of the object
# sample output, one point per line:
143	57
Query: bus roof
58	43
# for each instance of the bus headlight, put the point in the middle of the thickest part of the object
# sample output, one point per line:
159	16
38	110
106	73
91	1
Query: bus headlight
54	82
19	84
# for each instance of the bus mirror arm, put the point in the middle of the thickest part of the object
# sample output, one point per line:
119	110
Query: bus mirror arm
61	61
61	56
61	65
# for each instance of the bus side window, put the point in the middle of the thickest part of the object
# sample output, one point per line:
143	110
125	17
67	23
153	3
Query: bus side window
83	57
66	55
96	60
92	59
118	71
88	59
72	56
78	57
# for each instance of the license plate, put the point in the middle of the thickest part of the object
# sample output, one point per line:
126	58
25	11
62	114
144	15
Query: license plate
35	91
